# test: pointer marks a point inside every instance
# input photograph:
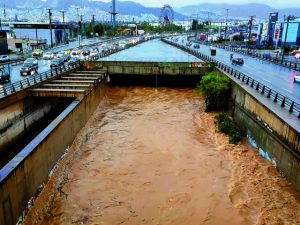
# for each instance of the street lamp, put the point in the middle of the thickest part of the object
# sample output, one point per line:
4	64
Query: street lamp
64	24
226	23
50	25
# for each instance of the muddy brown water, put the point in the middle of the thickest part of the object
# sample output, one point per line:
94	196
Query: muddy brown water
152	156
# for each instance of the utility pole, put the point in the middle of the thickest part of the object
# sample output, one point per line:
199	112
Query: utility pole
64	24
286	32
93	25
250	32
50	24
226	24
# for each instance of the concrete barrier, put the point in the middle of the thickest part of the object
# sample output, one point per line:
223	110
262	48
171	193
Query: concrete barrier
20	178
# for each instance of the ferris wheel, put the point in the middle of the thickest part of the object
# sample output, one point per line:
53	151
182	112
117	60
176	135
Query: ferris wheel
166	15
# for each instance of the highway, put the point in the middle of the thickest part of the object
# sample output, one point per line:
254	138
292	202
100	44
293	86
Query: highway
277	77
44	65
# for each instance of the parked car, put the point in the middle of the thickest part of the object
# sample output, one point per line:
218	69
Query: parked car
37	53
48	55
55	63
4	74
28	69
4	58
297	77
237	61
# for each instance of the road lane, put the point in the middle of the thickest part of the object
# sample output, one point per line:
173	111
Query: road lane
277	77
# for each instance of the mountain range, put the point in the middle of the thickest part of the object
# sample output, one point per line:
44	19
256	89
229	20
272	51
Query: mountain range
136	9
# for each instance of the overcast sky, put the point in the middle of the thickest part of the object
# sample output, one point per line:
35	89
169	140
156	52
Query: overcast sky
179	3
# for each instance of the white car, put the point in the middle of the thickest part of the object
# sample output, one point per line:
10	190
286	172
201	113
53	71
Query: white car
48	55
297	77
4	58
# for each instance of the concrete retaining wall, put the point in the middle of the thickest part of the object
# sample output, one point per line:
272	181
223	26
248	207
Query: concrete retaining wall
30	168
149	68
17	119
275	139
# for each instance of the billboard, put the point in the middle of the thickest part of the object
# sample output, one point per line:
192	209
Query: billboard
292	32
273	17
264	32
277	32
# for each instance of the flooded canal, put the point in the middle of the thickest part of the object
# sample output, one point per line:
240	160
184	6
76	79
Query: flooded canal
152	156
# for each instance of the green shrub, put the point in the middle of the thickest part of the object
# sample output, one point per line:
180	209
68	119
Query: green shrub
216	91
227	126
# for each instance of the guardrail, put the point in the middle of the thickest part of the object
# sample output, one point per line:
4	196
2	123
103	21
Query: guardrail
273	95
13	62
262	56
13	88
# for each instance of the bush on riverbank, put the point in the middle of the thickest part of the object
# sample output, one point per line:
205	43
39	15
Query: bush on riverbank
216	91
227	126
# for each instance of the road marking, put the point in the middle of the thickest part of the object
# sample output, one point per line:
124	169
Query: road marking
286	90
267	80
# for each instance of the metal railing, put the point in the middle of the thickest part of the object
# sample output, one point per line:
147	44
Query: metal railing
33	80
273	95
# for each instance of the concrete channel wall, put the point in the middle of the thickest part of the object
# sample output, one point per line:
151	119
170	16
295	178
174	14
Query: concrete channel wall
18	118
150	68
30	168
275	140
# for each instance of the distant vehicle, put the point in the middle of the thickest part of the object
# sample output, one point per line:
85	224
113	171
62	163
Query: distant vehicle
60	54
55	63
243	46
75	53
196	46
37	53
48	55
73	61
122	44
278	50
213	51
297	77
237	61
5	74
33	61
66	57
4	58
28	69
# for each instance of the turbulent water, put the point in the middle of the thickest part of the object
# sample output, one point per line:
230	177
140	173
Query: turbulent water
152	156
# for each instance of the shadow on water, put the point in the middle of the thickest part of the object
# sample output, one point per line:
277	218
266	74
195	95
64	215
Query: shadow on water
189	81
29	134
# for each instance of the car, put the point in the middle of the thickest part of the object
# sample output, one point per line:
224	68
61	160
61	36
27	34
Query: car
37	53
73	61
32	60
4	74
60	54
75	53
55	63
196	46
66	57
4	58
297	77
28	69
278	50
48	55
237	61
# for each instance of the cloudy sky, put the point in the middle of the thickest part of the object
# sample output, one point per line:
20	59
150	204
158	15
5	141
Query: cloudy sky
179	3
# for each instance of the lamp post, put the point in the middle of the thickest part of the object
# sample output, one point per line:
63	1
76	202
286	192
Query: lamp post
93	25
250	32
64	24
50	25
226	18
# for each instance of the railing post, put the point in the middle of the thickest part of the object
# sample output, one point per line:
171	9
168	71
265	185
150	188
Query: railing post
283	102
257	86
276	97
252	83
263	90
269	93
292	106
247	82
